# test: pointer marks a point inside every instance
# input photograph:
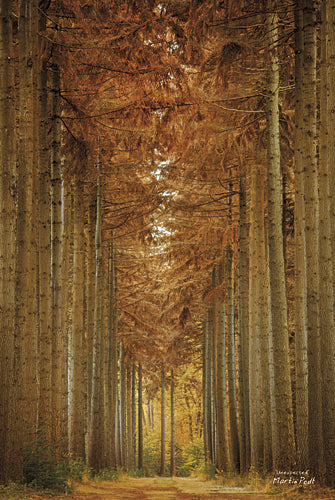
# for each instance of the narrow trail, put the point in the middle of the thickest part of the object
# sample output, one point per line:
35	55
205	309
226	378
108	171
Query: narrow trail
161	489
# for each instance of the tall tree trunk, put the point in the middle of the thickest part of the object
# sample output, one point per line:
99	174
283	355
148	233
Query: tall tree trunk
162	468
129	418
123	407
90	298
67	293
300	254
56	221
315	443
133	420
256	436
234	438
284	440
95	452
76	400
243	317
173	433
140	419
26	303
10	410
263	322
212	328
207	411
44	239
326	270
222	444
113	334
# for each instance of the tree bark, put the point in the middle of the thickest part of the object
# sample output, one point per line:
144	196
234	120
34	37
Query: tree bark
283	452
76	400
140	419
10	409
234	438
26	297
300	254
256	435
133	405
67	294
123	407
90	300
173	434
243	320
326	266
222	439
56	222
95	453
44	254
162	468
315	443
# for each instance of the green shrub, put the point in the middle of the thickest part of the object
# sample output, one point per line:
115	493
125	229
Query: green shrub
189	458
42	470
208	471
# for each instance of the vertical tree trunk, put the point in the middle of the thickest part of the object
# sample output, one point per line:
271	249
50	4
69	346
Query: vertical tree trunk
173	434
284	441
243	315
10	411
140	420
256	436
56	221
162	468
300	254
234	438
264	326
207	411
76	400
26	303
315	443
95	452
326	270
114	352
133	420
123	407
222	445
90	300
129	418
67	293
212	328
44	238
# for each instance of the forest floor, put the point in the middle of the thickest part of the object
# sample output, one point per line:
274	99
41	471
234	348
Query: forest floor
157	488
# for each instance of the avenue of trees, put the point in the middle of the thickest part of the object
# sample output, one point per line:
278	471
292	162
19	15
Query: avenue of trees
167	232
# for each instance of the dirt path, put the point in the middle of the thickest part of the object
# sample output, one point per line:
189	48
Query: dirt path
161	489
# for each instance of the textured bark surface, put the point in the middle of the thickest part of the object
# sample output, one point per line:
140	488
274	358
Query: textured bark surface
57	237
243	322
26	296
283	452
95	452
231	361
221	407
326	262
76	399
10	411
163	459
300	255
312	239
256	435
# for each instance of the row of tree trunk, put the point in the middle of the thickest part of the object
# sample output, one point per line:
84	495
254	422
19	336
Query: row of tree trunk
63	373
269	435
